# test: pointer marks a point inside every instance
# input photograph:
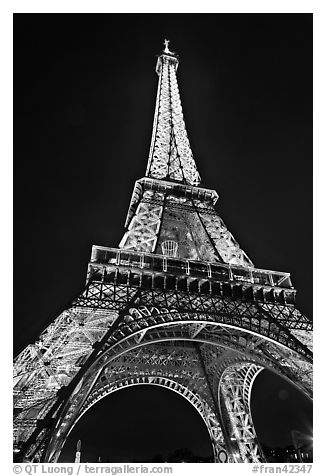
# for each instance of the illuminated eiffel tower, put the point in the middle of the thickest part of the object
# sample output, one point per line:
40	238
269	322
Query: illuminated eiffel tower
178	304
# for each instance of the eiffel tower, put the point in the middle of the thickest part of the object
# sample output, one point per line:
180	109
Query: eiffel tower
178	304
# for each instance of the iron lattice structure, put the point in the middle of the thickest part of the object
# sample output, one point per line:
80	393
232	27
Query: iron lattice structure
178	304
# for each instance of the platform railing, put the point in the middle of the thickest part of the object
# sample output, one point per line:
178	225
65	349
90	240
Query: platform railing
199	269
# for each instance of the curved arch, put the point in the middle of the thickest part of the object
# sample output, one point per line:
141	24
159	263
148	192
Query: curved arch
219	334
278	357
129	346
260	324
204	322
201	406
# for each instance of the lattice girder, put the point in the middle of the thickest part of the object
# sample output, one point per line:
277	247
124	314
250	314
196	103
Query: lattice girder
144	226
172	326
161	210
227	247
269	322
152	365
151	212
55	359
235	387
170	154
206	335
159	334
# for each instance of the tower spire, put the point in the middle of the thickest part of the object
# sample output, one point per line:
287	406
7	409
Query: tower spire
169	212
166	44
170	156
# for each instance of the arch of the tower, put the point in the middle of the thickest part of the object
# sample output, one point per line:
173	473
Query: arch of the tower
250	344
171	365
224	355
202	407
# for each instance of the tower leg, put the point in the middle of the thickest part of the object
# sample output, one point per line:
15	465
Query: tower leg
234	401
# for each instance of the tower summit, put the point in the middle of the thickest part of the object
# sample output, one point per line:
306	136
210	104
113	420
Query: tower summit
178	304
170	156
168	205
166	49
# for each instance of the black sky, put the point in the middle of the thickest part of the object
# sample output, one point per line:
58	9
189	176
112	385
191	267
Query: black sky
84	97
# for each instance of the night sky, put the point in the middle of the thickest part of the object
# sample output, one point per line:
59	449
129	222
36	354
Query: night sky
84	97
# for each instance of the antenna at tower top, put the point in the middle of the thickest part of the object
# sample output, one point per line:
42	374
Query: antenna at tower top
166	44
